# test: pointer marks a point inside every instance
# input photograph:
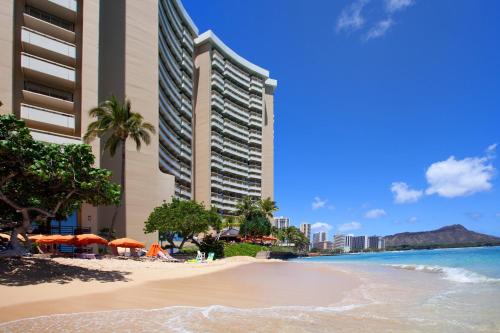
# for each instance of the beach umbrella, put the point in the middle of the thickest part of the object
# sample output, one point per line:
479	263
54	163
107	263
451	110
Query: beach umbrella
56	239
7	237
86	239
126	242
270	238
36	237
154	250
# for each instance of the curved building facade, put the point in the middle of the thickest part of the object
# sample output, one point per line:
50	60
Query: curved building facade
176	33
234	126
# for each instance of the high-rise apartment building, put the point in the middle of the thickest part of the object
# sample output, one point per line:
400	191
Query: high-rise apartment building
176	34
213	110
305	228
281	222
234	112
319	237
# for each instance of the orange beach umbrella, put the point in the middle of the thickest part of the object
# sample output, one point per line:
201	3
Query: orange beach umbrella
154	250
36	237
56	239
126	242
7	237
86	239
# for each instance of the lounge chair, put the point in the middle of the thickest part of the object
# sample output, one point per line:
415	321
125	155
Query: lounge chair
210	257
166	257
200	257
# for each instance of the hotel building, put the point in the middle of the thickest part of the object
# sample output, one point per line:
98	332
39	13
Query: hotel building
281	222
213	110
319	237
342	242
305	228
234	112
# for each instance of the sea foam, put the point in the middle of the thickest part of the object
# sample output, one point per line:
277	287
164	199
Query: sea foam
460	275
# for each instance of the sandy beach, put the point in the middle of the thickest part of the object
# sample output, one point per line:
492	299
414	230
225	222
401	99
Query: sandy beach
110	284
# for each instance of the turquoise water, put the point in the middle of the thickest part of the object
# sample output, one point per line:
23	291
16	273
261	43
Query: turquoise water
463	265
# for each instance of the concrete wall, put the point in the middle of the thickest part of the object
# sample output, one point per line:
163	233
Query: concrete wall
129	68
6	54
268	145
202	128
89	83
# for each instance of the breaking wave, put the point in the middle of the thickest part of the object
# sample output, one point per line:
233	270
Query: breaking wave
460	275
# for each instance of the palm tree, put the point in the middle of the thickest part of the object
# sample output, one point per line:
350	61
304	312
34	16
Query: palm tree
267	207
116	123
246	207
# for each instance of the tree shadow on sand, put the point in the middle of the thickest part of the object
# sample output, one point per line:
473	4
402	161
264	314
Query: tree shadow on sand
30	271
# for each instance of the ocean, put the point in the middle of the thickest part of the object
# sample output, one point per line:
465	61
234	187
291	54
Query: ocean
444	290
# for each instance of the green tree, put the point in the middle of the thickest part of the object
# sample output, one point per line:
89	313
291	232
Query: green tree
267	207
41	181
246	207
184	218
115	124
256	225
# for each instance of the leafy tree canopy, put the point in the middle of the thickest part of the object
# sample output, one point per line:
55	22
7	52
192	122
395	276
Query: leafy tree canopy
256	225
41	181
186	218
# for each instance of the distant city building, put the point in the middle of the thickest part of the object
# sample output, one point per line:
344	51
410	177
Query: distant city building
342	242
319	237
325	245
281	222
305	228
359	243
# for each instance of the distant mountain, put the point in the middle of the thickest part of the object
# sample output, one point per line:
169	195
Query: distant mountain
450	235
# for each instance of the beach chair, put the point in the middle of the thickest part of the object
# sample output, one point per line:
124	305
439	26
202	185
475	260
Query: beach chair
200	257
166	257
210	257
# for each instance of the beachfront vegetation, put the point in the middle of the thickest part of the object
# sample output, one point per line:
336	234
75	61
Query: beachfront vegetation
242	249
254	216
115	124
256	225
212	244
292	235
40	182
183	218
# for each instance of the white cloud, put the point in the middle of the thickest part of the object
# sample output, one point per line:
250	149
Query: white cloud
321	225
458	178
379	29
318	203
403	193
392	6
375	213
475	216
412	220
351	17
349	226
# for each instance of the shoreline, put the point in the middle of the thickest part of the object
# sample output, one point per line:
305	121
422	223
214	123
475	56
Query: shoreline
238	282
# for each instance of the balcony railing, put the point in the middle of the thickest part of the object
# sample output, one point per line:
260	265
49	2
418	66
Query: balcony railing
47	116
47	42
36	64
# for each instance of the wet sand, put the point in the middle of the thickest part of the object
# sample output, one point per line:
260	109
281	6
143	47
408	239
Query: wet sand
243	286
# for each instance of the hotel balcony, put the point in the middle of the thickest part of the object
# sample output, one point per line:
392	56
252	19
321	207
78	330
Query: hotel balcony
187	85
238	128
254	158
256	103
217	145
48	47
229	189
186	108
218	62
50	117
170	159
217	82
242	148
236	183
236	153
255	120
44	70
235	164
169	114
46	26
235	171
255	88
169	61
236	94
47	97
254	187
50	137
255	193
235	134
169	143
236	76
171	13
187	41
217	101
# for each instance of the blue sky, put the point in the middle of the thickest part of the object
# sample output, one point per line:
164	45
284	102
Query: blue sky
387	111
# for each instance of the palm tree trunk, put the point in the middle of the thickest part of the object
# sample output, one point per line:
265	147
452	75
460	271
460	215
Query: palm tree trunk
122	192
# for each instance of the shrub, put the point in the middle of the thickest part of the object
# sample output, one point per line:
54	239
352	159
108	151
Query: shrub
210	244
242	249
